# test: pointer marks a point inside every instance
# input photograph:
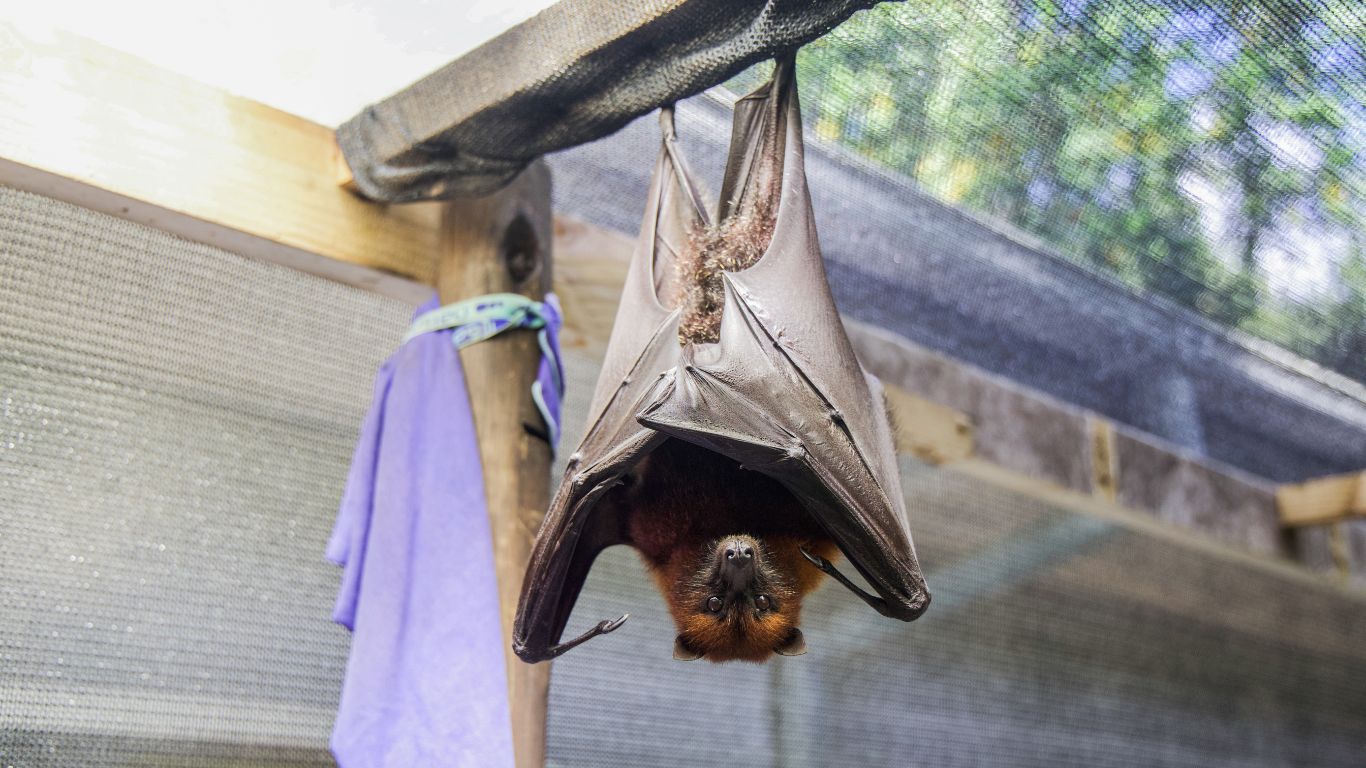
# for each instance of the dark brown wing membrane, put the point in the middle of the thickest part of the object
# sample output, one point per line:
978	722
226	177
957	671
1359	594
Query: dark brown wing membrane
644	344
751	401
849	480
780	392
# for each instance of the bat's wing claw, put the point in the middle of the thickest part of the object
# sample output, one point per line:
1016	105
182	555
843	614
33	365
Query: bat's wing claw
602	628
817	560
876	602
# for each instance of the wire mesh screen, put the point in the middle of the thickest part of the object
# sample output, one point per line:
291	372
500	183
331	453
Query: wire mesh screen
175	427
1152	210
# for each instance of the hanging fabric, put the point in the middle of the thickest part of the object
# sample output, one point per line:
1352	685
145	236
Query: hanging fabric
426	681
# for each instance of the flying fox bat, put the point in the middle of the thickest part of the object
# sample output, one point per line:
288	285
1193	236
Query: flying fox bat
734	440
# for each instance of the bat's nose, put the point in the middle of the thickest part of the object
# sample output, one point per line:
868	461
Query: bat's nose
739	554
737	563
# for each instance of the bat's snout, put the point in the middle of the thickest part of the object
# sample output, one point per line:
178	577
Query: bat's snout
737	556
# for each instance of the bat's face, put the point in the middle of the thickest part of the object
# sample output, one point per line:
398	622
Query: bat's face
740	602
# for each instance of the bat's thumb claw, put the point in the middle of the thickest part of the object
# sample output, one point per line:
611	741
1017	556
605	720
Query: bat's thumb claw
602	628
815	560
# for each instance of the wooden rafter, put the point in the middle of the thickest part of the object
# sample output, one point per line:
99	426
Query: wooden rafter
1322	501
100	128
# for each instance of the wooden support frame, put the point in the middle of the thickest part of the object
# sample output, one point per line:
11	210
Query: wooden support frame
502	244
933	433
105	130
1104	467
1323	501
90	125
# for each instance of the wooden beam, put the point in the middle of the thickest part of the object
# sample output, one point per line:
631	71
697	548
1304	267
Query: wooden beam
99	128
933	433
590	268
502	244
1326	500
341	172
1097	506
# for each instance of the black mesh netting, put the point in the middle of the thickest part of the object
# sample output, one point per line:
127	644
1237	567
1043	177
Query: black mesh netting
175	427
583	68
1212	153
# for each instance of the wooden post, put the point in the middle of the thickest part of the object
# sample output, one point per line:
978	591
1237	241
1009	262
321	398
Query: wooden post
501	244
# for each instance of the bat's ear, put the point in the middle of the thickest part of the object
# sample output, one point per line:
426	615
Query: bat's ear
683	650
794	645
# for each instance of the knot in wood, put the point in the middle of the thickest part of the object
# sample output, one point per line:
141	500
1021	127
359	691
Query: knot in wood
520	250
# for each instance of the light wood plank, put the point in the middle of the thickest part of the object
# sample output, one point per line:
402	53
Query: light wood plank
1325	500
1096	506
100	128
929	431
590	269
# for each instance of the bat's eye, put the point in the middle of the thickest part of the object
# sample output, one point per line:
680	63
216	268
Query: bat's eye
714	605
761	602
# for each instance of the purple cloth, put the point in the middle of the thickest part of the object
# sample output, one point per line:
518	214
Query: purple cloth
549	386
426	681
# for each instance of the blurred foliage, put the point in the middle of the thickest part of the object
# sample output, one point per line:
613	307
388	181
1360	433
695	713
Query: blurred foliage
1210	152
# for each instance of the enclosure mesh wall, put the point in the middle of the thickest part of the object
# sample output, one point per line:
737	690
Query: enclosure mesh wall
175	428
1212	152
177	424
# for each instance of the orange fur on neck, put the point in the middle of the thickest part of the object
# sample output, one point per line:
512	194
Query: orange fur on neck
742	636
681	501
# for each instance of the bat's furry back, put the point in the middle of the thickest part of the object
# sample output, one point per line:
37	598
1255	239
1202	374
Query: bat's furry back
736	244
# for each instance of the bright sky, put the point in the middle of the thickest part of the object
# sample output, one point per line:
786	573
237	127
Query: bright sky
322	59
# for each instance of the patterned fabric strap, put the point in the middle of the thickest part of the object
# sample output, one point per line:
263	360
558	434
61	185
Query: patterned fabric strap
474	320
